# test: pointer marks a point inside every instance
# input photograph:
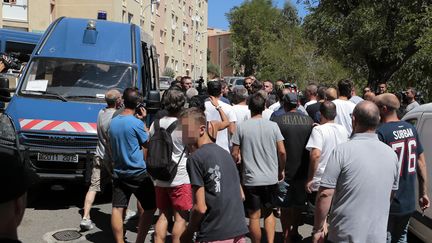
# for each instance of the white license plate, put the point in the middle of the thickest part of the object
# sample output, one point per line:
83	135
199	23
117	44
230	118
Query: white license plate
70	158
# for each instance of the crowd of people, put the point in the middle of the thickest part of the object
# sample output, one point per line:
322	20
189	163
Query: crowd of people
260	151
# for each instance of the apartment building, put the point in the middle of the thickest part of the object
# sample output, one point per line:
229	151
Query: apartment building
178	27
219	45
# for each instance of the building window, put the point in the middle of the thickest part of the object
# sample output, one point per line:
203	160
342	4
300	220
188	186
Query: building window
161	37
130	18
124	16
176	66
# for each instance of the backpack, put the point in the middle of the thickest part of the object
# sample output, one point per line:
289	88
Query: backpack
159	157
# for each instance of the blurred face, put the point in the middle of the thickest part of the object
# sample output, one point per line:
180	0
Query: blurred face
382	88
366	90
268	87
187	84
191	131
225	90
410	94
248	83
2	66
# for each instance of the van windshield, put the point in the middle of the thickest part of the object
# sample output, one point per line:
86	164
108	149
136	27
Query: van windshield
73	79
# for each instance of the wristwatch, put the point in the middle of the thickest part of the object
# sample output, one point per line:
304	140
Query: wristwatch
218	107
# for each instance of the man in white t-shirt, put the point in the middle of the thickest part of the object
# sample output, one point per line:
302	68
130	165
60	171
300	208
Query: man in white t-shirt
214	89
344	107
323	140
173	198
241	109
311	95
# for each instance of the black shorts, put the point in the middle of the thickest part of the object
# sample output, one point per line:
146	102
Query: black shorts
258	197
141	186
295	196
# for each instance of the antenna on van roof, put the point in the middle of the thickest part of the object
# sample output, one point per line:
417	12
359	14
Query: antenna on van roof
90	33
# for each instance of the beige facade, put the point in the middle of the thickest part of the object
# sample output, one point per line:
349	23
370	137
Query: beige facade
178	27
219	45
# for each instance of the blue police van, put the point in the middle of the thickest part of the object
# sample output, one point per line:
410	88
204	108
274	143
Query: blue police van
51	119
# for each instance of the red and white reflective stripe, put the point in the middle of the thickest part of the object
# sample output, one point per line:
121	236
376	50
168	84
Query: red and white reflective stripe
63	126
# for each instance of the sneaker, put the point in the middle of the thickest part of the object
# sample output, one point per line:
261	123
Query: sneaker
131	215
86	224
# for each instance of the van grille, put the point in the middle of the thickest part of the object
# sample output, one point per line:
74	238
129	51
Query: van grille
59	141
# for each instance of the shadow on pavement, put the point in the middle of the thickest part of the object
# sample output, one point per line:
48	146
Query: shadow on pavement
43	197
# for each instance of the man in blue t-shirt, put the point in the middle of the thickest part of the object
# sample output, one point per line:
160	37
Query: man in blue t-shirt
127	137
403	138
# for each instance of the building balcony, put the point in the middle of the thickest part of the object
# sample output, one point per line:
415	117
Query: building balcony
15	11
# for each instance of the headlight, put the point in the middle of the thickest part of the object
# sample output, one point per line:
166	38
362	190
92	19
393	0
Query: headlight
7	130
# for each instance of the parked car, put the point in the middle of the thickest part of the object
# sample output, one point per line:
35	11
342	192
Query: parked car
165	82
236	82
421	118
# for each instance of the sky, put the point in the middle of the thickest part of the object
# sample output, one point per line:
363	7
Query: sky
218	8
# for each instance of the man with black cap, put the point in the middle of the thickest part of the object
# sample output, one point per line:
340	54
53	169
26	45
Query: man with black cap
16	179
296	128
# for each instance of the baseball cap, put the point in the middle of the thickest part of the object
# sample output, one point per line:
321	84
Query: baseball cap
290	98
15	178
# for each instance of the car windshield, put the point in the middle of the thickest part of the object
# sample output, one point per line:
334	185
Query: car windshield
73	79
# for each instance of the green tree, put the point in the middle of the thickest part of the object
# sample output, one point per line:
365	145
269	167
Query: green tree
252	24
169	72
375	38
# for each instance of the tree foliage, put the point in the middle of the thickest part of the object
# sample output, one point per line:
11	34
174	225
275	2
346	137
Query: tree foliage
375	38
270	43
169	72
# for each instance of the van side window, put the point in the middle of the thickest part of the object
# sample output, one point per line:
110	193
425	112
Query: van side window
21	50
146	69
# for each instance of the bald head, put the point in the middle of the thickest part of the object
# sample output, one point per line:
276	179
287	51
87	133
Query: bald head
331	94
370	96
111	97
388	100
366	116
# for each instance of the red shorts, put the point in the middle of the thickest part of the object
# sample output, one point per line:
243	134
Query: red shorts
238	239
178	198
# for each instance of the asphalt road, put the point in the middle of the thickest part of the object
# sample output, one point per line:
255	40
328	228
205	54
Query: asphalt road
52	211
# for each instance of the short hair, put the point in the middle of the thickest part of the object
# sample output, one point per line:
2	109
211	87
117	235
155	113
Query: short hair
183	79
345	87
131	98
312	89
214	88
240	93
196	114
174	83
256	103
412	90
271	99
367	114
174	101
197	102
111	96
321	93
331	94
224	84
257	86
389	100
191	93
328	110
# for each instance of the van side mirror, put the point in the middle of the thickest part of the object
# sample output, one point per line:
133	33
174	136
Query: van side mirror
5	95
153	101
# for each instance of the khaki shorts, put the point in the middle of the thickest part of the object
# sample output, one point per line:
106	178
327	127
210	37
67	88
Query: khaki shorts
101	174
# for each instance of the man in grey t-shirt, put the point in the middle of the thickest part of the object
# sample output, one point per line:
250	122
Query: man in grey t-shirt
260	143
102	162
357	184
